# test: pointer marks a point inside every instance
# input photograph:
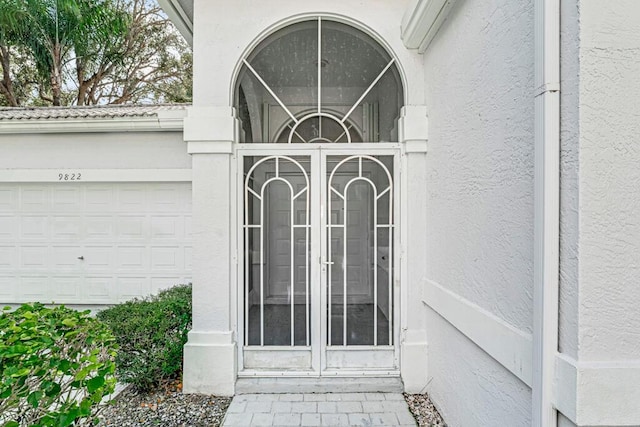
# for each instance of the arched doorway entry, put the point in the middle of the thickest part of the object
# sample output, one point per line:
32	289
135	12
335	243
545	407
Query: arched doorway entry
318	103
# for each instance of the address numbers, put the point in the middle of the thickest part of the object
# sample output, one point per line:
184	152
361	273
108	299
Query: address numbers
69	177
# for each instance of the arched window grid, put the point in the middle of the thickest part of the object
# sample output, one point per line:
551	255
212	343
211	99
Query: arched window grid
319	111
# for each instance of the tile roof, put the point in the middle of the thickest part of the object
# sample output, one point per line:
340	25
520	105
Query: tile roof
92	112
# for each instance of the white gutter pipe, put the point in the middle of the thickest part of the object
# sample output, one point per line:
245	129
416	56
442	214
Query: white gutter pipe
547	210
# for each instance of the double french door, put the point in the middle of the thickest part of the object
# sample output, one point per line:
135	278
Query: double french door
318	272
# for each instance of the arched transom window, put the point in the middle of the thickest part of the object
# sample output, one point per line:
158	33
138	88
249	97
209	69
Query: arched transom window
319	81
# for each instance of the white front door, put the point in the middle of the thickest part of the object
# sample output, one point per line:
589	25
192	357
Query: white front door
318	271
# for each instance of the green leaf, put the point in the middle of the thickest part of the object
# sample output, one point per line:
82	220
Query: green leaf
85	407
70	323
12	424
34	398
64	366
68	418
81	374
21	373
95	383
53	390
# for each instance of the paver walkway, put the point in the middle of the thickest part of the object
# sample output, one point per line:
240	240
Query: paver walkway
319	409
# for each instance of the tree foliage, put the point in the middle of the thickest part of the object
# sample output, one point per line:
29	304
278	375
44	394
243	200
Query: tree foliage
88	52
56	366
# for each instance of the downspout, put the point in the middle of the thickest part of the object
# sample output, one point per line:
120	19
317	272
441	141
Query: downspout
547	210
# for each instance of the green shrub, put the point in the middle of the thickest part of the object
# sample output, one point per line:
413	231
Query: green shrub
150	333
56	366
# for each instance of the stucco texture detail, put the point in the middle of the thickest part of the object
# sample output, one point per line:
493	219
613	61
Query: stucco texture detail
569	174
609	180
480	160
480	96
473	390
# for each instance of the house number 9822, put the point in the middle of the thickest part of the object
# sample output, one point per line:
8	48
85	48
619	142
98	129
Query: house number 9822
69	176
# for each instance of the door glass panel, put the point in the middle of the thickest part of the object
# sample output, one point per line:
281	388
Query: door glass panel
359	236
277	243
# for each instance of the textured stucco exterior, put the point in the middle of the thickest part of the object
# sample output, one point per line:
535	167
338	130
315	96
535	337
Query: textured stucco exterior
569	169
469	387
600	229
479	92
609	177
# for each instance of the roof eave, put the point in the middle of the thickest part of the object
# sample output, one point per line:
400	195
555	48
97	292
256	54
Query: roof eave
180	18
422	21
156	123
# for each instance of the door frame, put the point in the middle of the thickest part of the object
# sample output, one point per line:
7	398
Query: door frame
318	154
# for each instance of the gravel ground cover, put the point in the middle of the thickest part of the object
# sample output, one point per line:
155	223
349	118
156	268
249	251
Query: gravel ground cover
166	408
424	411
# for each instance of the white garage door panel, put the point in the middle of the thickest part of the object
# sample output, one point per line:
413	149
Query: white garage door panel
93	243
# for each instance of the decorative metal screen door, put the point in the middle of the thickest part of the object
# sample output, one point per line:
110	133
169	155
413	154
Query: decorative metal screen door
318	268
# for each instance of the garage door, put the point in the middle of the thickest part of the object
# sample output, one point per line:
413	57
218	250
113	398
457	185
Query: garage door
93	243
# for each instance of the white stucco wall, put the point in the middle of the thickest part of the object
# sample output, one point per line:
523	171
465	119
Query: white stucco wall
569	188
609	178
468	387
117	150
598	370
479	93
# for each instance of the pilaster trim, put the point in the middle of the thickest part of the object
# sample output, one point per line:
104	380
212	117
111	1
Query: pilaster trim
413	124
210	338
597	393
210	147
211	124
508	345
415	147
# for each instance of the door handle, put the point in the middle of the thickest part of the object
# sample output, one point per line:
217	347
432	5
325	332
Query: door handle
325	262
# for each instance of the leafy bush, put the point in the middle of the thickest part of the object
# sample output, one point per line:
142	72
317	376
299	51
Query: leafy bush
150	333
56	366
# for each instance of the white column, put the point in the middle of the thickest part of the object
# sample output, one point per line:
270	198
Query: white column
413	131
210	353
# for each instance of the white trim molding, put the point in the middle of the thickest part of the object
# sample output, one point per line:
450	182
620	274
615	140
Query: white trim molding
598	393
422	21
508	345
